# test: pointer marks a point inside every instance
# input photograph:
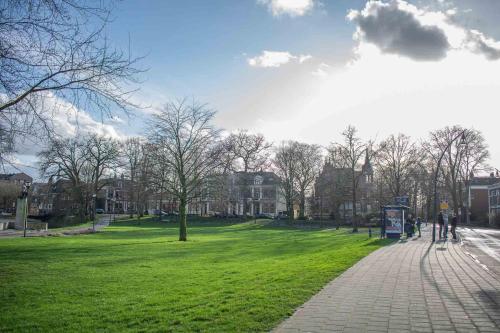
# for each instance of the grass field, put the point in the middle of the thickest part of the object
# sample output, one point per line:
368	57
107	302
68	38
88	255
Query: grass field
243	277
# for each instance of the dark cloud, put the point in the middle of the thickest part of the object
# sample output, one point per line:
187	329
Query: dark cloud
397	30
480	44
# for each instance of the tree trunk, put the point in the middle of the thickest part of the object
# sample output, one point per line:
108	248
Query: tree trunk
467	207
161	202
302	205
182	220
354	211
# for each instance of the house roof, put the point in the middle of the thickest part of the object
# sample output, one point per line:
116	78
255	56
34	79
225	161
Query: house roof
15	176
268	178
484	181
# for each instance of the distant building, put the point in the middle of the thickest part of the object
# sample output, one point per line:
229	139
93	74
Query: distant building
254	192
116	196
479	197
332	196
494	204
41	199
16	178
11	185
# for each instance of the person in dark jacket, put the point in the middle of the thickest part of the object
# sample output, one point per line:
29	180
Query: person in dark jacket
454	227
441	225
419	224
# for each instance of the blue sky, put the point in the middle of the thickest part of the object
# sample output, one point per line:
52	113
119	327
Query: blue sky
305	69
197	47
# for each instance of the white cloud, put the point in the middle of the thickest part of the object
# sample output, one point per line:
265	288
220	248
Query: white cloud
288	7
304	58
397	27
383	92
322	70
275	59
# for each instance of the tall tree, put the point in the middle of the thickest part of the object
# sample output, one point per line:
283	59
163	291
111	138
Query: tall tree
58	49
132	154
67	159
286	166
309	160
466	154
250	153
103	156
185	132
351	152
397	159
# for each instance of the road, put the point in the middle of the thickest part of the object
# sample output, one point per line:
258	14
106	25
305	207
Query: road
483	245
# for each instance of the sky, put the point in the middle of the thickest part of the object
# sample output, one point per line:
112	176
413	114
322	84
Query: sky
306	69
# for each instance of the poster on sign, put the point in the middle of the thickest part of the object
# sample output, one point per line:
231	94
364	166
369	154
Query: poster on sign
394	221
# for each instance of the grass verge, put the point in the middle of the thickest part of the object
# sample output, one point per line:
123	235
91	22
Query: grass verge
244	277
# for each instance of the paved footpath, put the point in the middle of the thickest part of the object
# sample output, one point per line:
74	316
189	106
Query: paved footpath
410	286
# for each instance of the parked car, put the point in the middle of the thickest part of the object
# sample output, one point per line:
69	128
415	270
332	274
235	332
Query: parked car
282	216
156	212
99	211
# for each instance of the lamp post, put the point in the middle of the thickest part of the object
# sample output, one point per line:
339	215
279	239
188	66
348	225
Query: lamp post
24	194
462	137
93	211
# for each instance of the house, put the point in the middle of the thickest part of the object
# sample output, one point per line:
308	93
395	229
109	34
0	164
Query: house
479	197
333	191
11	185
16	178
116	196
494	204
240	193
41	199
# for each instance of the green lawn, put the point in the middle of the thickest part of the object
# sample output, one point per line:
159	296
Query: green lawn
243	277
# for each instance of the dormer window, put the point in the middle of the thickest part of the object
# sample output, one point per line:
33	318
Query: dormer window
258	180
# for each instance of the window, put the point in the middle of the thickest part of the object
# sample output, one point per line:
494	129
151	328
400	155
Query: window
258	180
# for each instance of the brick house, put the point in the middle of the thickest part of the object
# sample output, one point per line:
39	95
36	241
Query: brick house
333	192
494	204
479	197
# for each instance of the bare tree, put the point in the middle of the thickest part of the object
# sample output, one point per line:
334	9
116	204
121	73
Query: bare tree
474	158
66	159
50	48
132	154
335	184
161	174
103	156
351	152
461	158
6	146
184	132
286	166
250	153
309	160
397	158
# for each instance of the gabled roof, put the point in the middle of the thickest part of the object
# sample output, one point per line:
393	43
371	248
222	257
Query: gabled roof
484	181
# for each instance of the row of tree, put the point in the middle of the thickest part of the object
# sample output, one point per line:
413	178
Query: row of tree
183	152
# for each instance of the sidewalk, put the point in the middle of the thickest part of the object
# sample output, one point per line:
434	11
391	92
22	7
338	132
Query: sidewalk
411	286
102	223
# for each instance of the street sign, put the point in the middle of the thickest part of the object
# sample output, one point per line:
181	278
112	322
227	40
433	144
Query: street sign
444	206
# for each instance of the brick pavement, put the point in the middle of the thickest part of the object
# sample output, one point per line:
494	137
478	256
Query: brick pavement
410	286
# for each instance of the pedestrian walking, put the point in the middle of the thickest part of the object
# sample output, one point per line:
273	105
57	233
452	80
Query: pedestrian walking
454	221
419	224
441	224
445	218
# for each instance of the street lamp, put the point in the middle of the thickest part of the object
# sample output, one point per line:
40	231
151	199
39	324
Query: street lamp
93	211
463	141
24	195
